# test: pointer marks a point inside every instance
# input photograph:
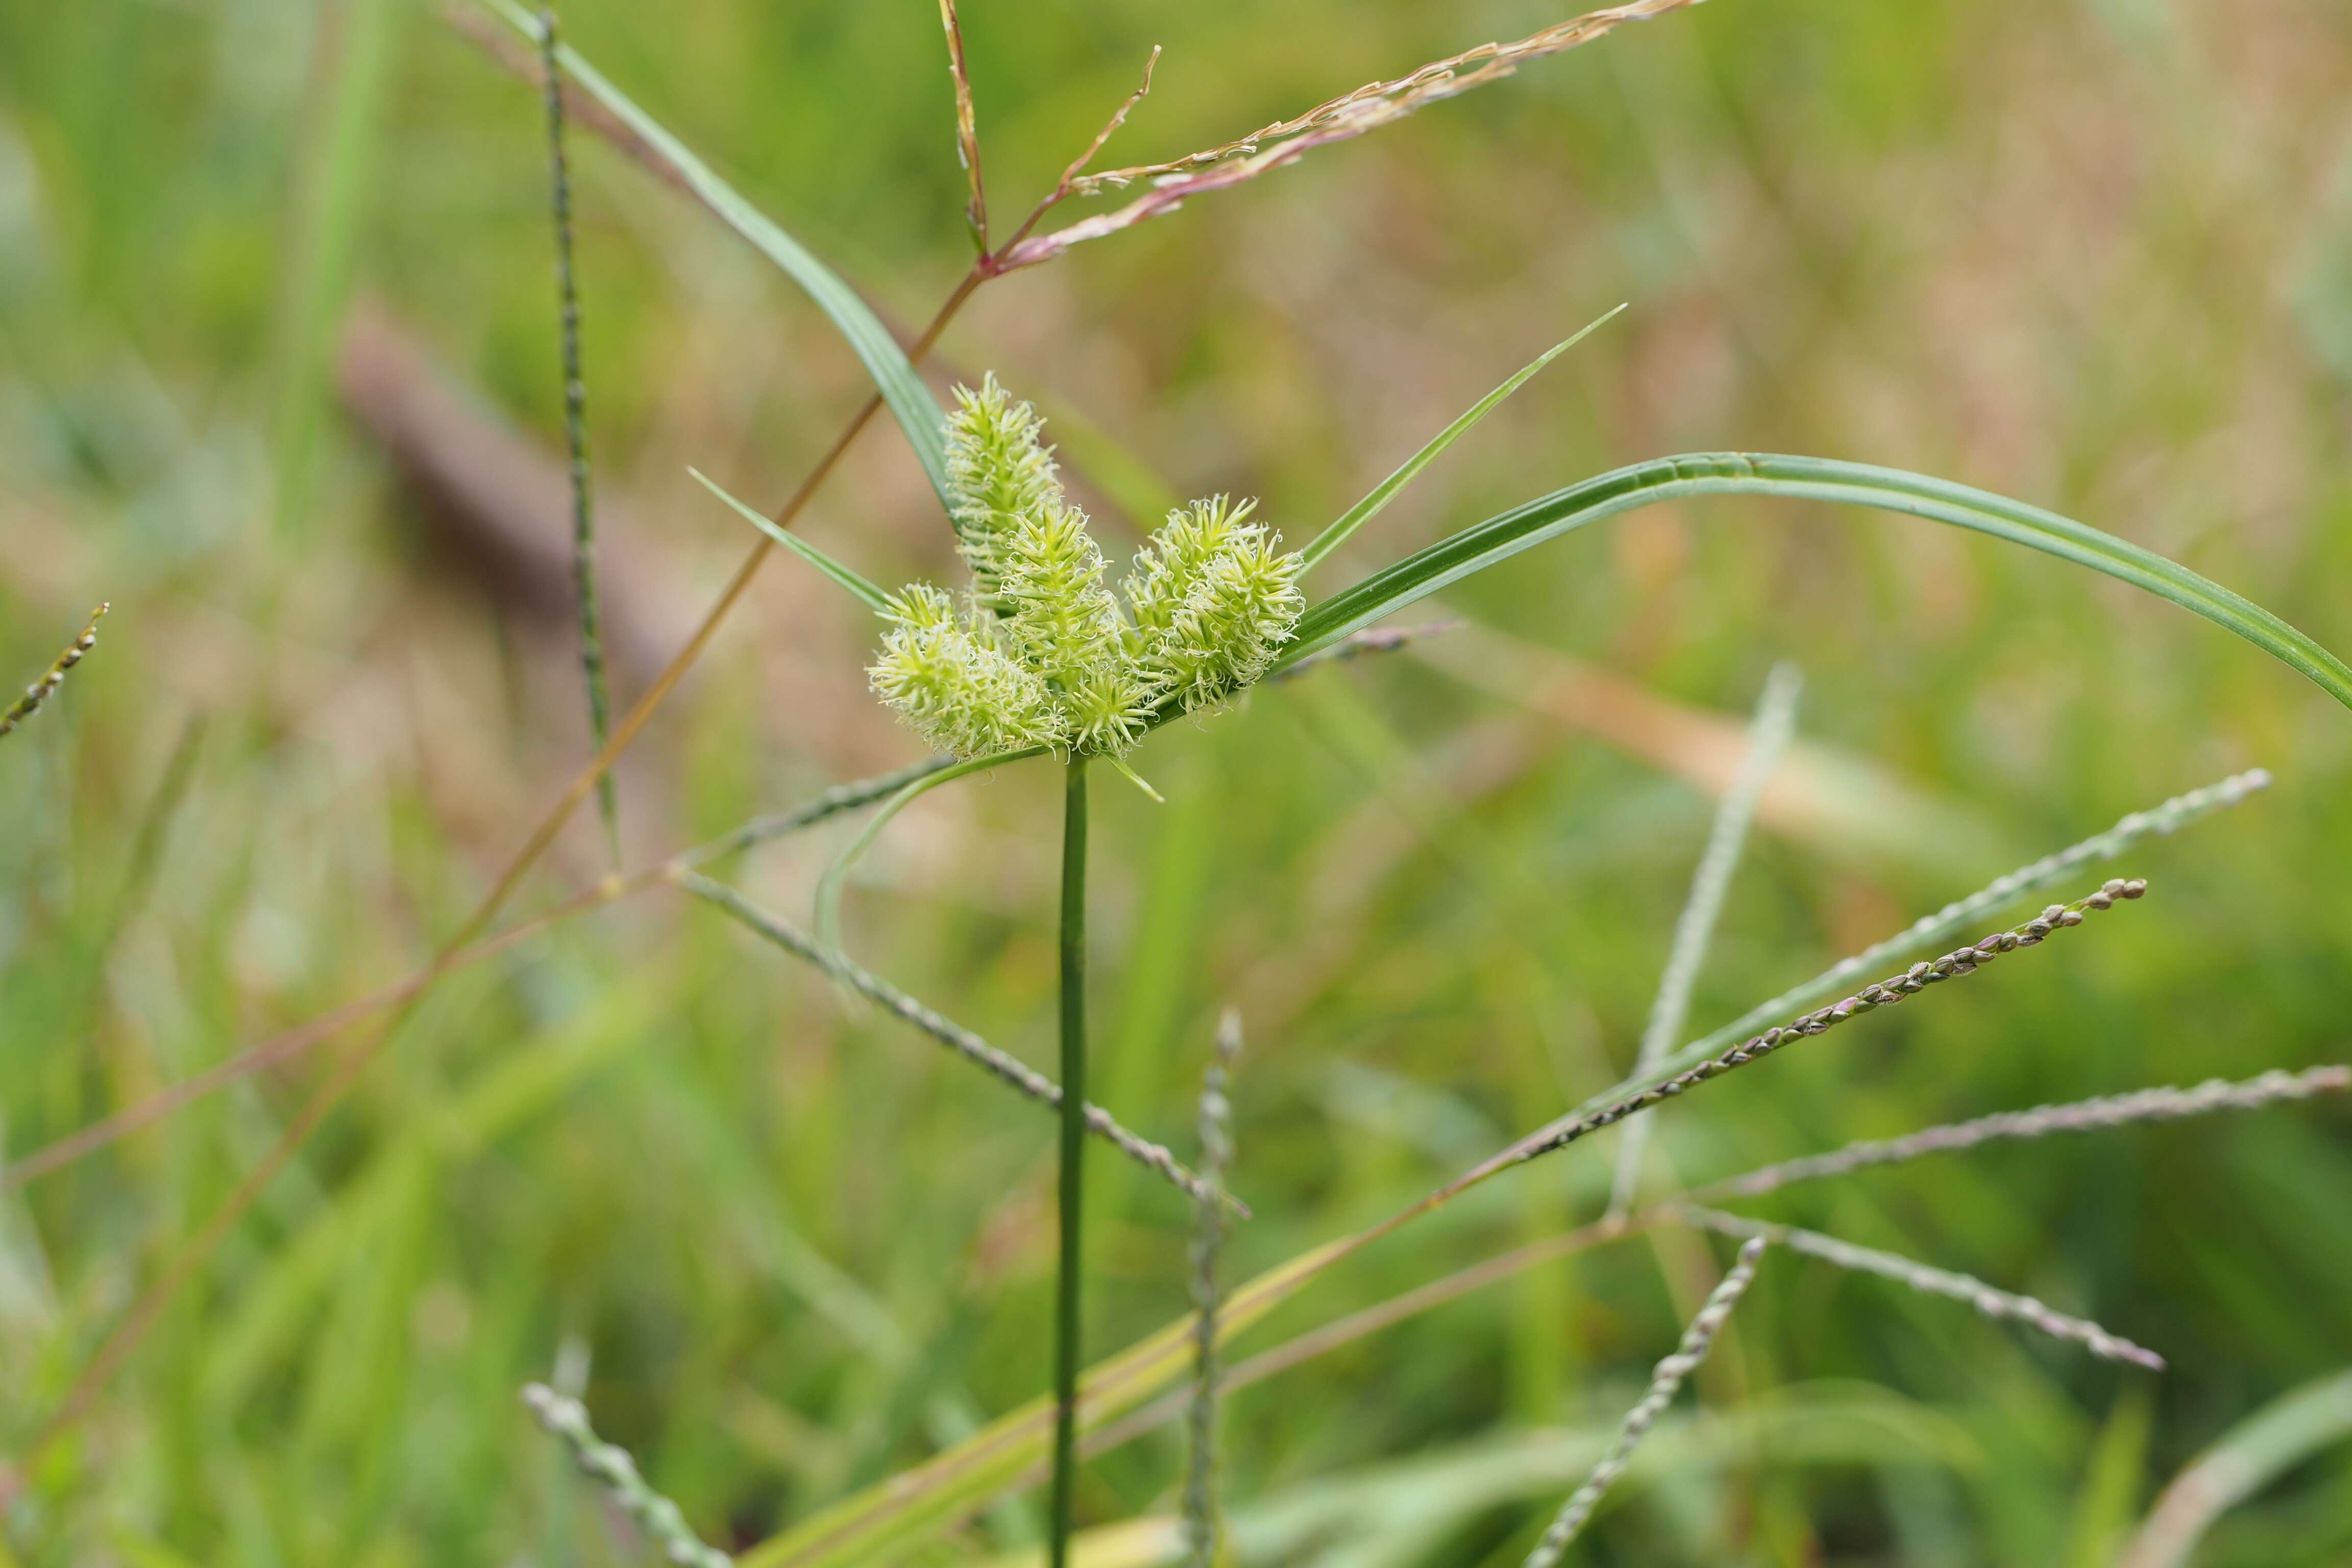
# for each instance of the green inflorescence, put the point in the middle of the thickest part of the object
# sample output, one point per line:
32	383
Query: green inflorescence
1042	652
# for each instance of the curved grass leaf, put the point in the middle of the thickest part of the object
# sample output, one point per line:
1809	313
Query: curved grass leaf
867	594
1364	511
1807	478
2249	1456
918	411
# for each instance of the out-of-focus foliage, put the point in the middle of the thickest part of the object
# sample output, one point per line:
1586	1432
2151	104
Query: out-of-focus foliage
2095	254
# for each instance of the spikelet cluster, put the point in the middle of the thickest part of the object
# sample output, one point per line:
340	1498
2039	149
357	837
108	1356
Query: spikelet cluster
1042	652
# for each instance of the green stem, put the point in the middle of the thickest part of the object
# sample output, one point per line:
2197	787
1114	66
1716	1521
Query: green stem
1073	1149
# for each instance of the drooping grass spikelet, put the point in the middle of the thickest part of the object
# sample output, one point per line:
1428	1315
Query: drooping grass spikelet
1926	1277
998	473
961	693
1697	1339
611	1468
1216	1130
27	705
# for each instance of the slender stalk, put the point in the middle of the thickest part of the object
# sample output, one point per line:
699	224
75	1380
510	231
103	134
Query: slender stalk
1066	1347
575	440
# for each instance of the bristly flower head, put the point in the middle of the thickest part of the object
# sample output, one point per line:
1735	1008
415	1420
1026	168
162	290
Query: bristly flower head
1043	653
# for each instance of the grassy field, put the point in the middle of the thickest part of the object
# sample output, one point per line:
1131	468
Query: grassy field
264	263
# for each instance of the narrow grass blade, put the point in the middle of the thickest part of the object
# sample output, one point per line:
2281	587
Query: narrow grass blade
836	876
1697	1339
1497	539
911	401
1767	738
2250	1456
1932	1281
1387	489
864	592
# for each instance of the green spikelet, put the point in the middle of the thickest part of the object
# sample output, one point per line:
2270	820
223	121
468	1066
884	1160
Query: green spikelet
1041	653
959	692
999	472
1213	601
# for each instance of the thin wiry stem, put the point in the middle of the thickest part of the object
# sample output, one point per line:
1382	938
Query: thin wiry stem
1696	1340
27	705
611	1468
1069	1351
1342	119
575	437
1769	734
1932	1281
1005	1068
1199	1529
1954	918
1882	994
2166	1104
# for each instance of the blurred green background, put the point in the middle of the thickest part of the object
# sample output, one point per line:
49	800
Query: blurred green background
2096	254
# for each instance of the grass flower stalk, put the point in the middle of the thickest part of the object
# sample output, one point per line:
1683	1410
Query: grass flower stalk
1769	735
1697	1339
1005	1068
2166	1104
1930	1281
610	1466
575	438
1200	1524
1068	1350
39	692
1961	913
1880	994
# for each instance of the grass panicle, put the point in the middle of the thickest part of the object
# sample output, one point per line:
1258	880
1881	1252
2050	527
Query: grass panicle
575	436
1001	1065
611	1468
40	691
1930	1281
1769	734
975	212
2107	1112
1200	1523
1881	993
1341	119
1696	1340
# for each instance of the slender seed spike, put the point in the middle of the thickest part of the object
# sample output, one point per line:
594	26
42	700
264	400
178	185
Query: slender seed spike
575	440
612	1469
1696	1340
37	693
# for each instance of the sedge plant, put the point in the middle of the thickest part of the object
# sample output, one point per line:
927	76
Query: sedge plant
1039	655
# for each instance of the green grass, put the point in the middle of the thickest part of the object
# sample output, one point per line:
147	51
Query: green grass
802	1249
